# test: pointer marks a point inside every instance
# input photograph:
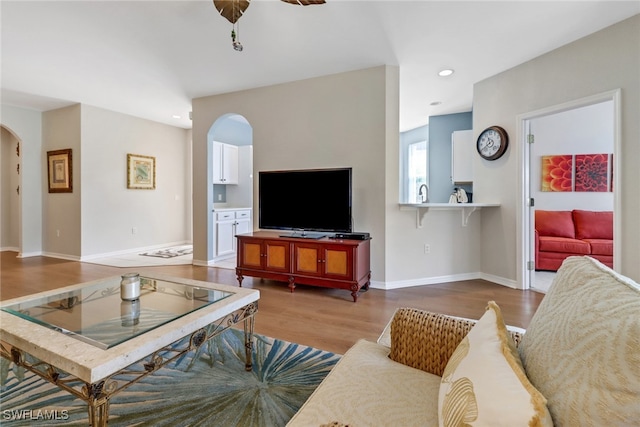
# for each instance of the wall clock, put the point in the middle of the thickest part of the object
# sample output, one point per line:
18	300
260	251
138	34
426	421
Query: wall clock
492	143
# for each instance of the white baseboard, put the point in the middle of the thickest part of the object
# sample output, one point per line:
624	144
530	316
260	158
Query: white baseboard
21	254
132	251
61	256
500	281
29	254
426	281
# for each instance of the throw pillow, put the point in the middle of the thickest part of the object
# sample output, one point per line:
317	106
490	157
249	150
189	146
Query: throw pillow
582	347
555	224
484	383
425	340
593	224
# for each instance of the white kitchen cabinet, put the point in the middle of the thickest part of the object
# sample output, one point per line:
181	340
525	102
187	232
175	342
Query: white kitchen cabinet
228	224
225	163
243	223
225	237
462	150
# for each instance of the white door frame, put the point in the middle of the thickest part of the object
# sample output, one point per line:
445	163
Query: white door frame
524	243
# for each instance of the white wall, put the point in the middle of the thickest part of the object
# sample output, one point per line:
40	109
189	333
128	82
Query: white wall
26	125
586	130
601	62
109	210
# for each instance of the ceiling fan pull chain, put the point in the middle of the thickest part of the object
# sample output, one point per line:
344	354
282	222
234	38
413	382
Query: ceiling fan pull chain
234	35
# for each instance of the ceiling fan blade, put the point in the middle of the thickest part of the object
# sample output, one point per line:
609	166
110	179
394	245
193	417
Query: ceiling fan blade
231	9
304	2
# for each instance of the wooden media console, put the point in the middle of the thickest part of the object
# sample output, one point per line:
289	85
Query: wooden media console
326	262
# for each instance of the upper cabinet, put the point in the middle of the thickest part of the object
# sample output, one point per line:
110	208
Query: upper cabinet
225	163
462	149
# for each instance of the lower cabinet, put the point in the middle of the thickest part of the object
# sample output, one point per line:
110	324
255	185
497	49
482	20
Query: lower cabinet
331	263
264	254
323	260
228	224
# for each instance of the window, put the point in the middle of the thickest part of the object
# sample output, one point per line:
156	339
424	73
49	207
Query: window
415	171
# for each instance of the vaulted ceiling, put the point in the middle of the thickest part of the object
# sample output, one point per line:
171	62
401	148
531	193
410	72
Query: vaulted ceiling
150	58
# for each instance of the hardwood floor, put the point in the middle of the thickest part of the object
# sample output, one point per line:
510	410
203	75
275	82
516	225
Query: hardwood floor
323	318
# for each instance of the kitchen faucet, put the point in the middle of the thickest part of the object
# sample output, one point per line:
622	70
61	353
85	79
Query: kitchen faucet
424	196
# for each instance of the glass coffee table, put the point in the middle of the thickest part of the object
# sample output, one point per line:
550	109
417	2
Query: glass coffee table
86	340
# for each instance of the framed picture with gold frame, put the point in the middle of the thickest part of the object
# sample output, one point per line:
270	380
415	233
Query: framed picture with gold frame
60	171
141	172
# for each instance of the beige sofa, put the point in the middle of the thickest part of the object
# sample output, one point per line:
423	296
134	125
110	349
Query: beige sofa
581	352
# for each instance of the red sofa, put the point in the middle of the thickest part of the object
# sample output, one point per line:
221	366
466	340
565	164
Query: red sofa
560	234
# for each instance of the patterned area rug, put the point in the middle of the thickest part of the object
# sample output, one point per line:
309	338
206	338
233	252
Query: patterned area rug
170	252
207	387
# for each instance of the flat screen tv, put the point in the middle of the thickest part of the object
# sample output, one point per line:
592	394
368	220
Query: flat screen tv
309	200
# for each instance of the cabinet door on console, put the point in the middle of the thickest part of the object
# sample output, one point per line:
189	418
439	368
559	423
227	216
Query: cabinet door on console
277	256
338	262
250	253
307	259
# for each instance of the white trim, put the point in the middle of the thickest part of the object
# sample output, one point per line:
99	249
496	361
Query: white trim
10	249
29	254
61	256
425	281
132	251
498	280
212	262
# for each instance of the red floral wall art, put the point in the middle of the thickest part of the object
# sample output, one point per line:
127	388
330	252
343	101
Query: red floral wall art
592	172
557	173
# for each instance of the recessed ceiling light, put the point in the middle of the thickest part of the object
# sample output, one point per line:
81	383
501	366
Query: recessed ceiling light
434	103
175	116
446	72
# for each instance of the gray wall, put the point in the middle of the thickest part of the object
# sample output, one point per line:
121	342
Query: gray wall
98	217
601	62
440	129
109	210
348	119
62	225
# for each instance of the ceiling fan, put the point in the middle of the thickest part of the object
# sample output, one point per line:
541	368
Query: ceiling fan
234	9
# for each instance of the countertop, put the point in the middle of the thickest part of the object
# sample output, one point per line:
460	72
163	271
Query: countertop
222	208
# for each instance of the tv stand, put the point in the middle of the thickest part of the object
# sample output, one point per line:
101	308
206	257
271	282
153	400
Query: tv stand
330	263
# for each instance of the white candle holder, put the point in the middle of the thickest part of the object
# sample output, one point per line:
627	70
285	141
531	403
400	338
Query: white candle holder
130	287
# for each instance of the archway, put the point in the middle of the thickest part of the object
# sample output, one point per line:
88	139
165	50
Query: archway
10	183
230	144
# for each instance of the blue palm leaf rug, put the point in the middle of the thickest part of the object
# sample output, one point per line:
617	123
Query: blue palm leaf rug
206	387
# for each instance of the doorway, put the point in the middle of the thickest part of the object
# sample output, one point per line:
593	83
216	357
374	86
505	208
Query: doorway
10	182
577	128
